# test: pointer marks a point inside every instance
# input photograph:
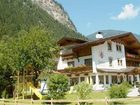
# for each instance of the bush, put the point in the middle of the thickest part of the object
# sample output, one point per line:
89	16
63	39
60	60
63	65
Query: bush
83	90
57	86
5	94
118	91
126	84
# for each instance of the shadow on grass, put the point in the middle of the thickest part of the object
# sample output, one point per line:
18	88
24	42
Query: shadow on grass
85	103
116	103
56	103
67	103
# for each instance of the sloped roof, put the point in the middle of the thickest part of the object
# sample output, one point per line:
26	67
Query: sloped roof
68	40
127	38
110	33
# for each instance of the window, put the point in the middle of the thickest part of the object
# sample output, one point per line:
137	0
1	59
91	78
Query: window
118	48
71	64
119	62
110	59
82	79
109	46
88	62
101	79
73	81
94	79
114	79
107	79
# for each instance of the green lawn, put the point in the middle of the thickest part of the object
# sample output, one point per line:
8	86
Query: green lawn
95	95
101	95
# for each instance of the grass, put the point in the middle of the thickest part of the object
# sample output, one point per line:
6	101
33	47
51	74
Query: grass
101	95
94	95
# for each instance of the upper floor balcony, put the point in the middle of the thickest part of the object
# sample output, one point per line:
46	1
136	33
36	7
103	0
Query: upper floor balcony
66	51
132	57
132	60
82	69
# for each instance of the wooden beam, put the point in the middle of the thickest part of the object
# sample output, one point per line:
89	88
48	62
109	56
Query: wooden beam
130	42
136	48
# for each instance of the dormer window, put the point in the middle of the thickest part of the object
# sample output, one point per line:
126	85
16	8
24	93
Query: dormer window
118	47
109	45
71	64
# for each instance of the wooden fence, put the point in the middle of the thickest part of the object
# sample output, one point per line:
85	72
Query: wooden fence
64	102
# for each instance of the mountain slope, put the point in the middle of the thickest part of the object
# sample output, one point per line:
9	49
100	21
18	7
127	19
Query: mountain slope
17	15
56	10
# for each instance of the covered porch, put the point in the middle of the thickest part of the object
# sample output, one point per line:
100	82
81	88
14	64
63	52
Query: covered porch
103	78
79	74
109	77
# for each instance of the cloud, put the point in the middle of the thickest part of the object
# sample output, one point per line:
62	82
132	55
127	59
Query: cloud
128	12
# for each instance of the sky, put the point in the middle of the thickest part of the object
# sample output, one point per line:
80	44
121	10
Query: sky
90	16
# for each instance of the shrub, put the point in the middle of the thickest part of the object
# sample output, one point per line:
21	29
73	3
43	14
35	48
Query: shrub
126	84
57	86
5	94
118	91
83	90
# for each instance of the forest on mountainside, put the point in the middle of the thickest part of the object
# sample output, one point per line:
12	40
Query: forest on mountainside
28	37
17	15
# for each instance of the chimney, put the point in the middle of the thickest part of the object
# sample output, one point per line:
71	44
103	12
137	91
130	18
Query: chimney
99	35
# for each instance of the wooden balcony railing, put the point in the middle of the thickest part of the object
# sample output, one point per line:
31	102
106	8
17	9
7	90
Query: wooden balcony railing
76	70
66	52
132	57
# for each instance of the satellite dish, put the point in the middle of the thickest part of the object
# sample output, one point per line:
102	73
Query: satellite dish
99	35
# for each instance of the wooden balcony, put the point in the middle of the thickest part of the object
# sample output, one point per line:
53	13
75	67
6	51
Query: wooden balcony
76	70
66	51
132	57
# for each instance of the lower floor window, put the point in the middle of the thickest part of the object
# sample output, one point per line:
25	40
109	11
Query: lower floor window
101	79
94	79
82	79
114	79
73	81
107	81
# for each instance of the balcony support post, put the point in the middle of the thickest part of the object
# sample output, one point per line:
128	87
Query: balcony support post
104	80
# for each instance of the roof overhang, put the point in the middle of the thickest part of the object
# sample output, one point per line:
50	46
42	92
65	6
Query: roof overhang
127	70
66	41
127	39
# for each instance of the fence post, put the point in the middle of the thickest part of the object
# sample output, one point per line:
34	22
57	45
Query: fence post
31	101
106	102
78	103
3	100
15	101
51	101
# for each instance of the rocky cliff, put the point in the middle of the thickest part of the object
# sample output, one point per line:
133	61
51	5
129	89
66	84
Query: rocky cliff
56	10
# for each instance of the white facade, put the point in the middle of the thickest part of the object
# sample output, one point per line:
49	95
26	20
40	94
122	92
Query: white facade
63	64
97	60
100	55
